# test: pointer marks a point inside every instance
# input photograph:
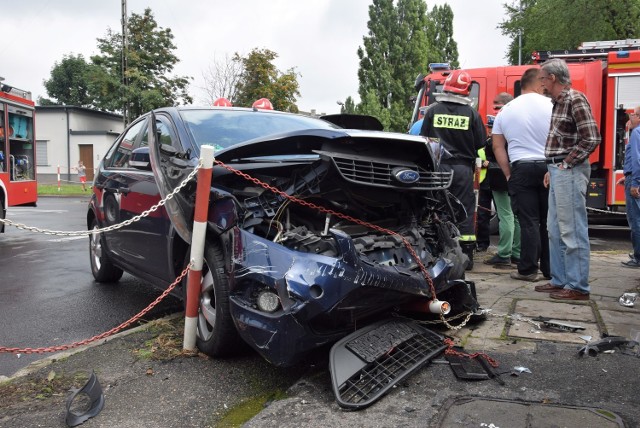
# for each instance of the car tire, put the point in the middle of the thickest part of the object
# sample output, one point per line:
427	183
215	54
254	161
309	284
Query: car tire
216	334
102	268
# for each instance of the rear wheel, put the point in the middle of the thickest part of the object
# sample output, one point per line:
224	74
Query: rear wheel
3	214
217	335
102	268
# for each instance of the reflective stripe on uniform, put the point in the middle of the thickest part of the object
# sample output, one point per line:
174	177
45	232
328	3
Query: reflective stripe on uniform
451	121
467	237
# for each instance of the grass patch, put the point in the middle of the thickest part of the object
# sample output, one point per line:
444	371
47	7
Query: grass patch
166	343
73	189
246	410
40	387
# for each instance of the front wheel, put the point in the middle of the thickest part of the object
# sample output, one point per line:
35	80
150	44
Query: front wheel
217	335
102	268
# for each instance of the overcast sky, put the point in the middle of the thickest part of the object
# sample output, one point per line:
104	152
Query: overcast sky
319	38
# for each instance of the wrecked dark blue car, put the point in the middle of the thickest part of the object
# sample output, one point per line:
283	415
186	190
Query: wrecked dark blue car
285	275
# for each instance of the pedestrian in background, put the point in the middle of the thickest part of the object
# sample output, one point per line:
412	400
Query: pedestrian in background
509	229
82	174
631	181
519	140
573	136
483	224
461	132
416	127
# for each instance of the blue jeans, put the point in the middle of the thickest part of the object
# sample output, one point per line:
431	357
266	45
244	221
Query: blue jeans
633	217
569	249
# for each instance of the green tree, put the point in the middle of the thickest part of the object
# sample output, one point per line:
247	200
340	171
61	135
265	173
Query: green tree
68	83
445	48
150	60
371	105
565	24
261	79
349	106
403	38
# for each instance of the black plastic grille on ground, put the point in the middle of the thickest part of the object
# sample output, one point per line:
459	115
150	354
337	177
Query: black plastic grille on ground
401	347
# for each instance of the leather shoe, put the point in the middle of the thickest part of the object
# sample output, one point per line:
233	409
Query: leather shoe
547	288
531	277
569	295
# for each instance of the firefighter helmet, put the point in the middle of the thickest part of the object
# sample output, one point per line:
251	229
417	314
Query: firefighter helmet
457	82
222	102
263	103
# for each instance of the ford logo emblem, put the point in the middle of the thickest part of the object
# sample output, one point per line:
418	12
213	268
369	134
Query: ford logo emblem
406	176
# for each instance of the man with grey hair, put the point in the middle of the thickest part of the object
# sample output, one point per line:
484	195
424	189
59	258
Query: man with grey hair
573	136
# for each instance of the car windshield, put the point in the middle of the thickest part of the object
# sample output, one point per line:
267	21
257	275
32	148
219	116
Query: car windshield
225	128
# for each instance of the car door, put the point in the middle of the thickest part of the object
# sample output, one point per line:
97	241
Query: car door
114	181
146	243
172	162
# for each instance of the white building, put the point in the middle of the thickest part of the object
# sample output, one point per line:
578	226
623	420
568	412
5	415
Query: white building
67	134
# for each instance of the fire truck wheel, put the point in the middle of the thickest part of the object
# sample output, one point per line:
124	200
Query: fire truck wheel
3	214
216	334
101	266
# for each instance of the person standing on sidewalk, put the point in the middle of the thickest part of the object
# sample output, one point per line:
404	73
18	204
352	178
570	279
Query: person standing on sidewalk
461	132
509	228
524	125
631	181
573	136
483	224
82	175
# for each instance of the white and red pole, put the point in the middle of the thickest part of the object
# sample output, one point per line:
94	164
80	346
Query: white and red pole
194	278
58	177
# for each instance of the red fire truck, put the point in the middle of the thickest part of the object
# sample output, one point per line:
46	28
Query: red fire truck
607	72
18	184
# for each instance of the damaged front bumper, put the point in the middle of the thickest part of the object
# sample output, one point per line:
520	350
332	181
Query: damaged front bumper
322	298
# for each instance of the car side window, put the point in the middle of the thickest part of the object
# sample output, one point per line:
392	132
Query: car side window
119	156
166	134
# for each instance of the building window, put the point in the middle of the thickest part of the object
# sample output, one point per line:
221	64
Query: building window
41	153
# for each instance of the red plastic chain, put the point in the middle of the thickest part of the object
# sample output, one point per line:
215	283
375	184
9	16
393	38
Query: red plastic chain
451	351
165	293
313	206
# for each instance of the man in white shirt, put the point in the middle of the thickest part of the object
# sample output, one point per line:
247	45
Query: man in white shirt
521	129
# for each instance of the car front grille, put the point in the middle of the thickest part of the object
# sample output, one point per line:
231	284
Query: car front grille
380	174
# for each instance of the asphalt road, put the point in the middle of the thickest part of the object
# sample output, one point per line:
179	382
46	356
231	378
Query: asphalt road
47	293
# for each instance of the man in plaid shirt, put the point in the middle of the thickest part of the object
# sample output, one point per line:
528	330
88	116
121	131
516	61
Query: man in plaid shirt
573	136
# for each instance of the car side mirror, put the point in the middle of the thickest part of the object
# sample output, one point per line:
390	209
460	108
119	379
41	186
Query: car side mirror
140	159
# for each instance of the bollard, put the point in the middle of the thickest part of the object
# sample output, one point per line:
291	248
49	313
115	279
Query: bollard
194	277
58	177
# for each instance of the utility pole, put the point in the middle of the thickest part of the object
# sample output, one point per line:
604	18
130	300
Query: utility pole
520	36
125	80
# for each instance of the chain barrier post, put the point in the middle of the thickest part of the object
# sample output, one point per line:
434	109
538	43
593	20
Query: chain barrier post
203	190
58	177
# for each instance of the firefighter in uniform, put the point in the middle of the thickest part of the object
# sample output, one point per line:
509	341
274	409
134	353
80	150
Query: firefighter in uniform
460	129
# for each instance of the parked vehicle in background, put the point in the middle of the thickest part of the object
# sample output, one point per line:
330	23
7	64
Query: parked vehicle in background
607	72
18	185
282	276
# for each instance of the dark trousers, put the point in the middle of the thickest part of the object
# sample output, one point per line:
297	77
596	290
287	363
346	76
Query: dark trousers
483	228
462	189
530	202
